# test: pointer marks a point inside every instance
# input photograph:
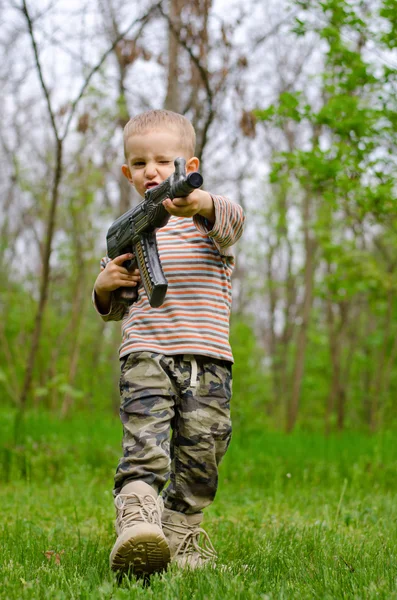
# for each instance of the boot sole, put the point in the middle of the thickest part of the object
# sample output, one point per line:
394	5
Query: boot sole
141	551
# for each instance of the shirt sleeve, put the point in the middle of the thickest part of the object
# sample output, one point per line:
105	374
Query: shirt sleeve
228	226
117	310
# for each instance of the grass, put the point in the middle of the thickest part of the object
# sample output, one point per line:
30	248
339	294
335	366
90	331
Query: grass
298	516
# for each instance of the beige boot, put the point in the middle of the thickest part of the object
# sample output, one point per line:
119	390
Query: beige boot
141	546
183	535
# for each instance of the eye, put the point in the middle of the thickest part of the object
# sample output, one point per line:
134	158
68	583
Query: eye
164	162
138	163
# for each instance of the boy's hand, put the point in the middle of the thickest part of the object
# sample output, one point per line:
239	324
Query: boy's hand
114	275
197	202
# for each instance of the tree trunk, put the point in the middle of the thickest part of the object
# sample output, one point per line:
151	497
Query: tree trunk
75	324
309	269
377	384
337	394
45	278
173	97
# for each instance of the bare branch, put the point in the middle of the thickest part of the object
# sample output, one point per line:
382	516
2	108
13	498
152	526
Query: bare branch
143	21
203	74
274	29
29	21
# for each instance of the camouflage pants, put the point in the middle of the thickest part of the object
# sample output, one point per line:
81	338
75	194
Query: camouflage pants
175	412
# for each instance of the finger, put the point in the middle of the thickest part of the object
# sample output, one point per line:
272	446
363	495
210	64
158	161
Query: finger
127	283
178	202
181	202
130	277
119	260
118	270
172	208
123	270
134	272
179	211
169	207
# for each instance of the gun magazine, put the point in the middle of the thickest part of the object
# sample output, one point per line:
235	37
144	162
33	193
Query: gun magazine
153	278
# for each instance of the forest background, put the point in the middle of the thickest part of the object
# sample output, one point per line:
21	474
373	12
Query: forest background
295	108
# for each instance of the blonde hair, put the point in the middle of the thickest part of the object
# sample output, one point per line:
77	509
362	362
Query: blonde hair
155	119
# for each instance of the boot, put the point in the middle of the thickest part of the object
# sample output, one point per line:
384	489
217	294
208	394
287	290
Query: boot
141	546
183	535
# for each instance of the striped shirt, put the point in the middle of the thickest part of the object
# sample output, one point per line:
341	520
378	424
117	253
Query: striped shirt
198	264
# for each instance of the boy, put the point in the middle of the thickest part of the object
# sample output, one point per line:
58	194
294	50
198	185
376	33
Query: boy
175	360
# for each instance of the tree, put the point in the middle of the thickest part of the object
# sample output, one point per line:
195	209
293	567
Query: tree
344	167
59	139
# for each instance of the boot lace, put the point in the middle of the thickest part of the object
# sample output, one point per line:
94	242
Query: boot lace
189	544
134	507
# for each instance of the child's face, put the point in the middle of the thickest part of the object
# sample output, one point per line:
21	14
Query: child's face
151	158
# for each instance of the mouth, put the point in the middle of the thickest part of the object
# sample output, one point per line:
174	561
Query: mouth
150	184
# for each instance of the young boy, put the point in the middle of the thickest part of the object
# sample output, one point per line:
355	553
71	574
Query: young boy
175	360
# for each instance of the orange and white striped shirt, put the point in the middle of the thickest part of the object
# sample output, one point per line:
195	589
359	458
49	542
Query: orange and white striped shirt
198	264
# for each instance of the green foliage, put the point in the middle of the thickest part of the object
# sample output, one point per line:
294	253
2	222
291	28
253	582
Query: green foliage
343	165
389	12
251	393
343	125
351	130
289	107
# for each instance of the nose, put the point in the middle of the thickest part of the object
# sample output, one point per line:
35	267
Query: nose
150	170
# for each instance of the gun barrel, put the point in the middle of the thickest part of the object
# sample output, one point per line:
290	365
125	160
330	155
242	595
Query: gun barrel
184	187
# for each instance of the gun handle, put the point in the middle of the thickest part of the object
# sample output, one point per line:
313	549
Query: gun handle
126	295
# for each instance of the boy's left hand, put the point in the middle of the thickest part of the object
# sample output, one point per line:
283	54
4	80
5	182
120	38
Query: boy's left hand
198	202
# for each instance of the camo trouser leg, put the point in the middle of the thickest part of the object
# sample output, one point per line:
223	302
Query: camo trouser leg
191	397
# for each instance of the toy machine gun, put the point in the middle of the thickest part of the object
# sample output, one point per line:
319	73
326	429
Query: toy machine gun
135	232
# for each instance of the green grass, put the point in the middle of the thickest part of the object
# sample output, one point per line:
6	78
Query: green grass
298	516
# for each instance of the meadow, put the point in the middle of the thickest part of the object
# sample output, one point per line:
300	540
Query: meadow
298	516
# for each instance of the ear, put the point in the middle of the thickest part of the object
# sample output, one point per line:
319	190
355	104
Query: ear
192	164
127	173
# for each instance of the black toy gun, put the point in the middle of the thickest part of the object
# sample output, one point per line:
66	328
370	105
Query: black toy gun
135	232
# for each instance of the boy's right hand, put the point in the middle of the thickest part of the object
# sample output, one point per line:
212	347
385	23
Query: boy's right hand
114	275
